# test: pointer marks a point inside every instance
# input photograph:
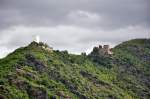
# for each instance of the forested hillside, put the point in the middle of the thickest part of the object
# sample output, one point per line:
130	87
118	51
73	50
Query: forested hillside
36	72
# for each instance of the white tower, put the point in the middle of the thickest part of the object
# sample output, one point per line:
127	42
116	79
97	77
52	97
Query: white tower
37	39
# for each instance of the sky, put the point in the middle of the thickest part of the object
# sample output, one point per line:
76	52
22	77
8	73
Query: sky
73	25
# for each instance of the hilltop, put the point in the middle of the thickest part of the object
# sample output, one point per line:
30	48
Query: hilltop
39	72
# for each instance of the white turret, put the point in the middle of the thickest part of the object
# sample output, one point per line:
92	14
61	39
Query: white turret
37	39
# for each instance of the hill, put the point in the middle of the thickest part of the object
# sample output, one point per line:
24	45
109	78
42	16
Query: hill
38	72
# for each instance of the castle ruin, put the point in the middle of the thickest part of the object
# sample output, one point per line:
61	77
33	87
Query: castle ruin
103	50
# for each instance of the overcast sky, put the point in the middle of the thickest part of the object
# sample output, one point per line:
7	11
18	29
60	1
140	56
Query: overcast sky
73	25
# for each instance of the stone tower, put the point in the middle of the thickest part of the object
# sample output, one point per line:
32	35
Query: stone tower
107	50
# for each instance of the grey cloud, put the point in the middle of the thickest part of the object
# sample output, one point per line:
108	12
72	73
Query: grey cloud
116	36
115	14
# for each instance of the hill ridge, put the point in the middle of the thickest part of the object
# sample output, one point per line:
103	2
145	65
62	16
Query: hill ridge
32	72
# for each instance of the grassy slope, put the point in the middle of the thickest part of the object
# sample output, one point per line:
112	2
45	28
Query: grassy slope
59	74
132	60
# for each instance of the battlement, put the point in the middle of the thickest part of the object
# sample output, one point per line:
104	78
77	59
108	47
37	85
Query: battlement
106	47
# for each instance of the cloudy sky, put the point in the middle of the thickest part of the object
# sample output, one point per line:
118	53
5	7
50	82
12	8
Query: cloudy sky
73	25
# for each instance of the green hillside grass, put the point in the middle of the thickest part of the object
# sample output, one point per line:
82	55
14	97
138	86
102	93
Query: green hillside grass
35	73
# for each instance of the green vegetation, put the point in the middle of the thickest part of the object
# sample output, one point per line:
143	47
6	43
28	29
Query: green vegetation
35	73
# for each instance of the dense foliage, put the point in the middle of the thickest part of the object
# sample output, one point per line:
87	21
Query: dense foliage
35	73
